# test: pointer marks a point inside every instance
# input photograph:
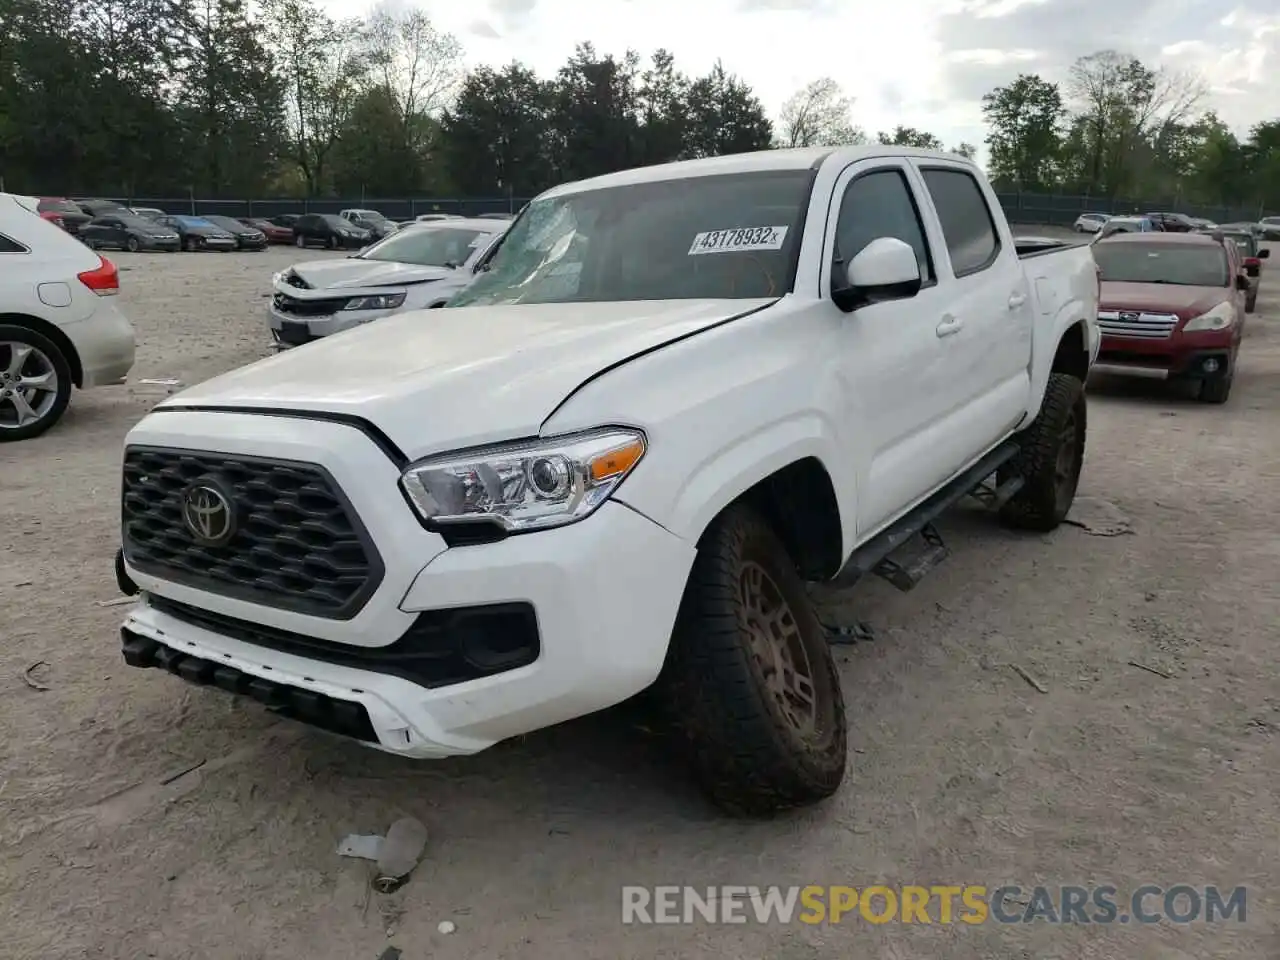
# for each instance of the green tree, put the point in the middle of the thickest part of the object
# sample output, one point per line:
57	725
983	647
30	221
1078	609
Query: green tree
230	101
662	104
493	138
910	137
723	117
594	126
322	74
1024	118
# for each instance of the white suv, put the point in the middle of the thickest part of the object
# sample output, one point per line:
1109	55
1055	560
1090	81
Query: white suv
59	325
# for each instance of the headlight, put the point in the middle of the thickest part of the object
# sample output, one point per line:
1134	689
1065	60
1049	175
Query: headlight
530	485
381	301
1219	318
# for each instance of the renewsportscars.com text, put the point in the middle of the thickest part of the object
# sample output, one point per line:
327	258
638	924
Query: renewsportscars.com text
940	904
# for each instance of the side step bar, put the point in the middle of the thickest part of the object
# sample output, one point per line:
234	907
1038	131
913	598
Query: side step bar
872	556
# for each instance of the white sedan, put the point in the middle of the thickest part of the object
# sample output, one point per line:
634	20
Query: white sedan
1090	222
420	266
59	325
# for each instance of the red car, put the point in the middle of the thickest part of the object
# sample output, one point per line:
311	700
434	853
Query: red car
62	213
273	231
1172	304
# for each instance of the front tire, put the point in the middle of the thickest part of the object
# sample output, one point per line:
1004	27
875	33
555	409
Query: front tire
299	241
35	383
132	245
1217	389
1251	302
190	245
1050	459
749	681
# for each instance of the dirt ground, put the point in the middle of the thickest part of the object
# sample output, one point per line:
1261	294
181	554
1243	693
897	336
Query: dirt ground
140	817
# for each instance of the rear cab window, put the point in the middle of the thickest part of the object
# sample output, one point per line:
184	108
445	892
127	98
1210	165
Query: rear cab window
969	229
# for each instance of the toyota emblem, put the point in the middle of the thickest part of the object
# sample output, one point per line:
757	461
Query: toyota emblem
208	513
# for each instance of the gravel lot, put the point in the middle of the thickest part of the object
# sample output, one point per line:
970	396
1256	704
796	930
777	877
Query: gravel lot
963	772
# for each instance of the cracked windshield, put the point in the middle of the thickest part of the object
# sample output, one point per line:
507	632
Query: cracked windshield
713	237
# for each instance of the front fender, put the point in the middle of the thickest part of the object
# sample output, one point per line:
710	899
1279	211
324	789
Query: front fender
722	410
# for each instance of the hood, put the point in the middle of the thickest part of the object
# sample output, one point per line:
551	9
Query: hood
353	272
1185	301
439	380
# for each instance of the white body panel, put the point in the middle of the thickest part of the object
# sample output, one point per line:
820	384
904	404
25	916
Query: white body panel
39	286
891	399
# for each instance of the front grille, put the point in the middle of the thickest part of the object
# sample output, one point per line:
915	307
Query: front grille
337	716
441	647
309	308
296	543
1137	324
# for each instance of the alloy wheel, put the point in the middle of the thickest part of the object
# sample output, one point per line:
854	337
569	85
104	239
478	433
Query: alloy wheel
28	385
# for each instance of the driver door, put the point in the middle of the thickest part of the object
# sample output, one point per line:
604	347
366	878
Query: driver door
894	362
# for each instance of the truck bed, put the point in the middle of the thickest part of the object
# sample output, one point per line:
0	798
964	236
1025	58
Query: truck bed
1039	246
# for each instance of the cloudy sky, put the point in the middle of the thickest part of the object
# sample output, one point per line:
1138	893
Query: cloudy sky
924	63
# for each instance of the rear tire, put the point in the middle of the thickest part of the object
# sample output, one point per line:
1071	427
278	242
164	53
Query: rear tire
1051	455
1251	302
43	359
749	683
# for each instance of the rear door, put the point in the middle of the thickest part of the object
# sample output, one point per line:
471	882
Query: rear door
990	346
113	230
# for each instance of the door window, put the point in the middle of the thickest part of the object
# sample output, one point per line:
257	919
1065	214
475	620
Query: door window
967	225
879	204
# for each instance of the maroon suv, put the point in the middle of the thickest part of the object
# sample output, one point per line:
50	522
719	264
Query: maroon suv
1172	304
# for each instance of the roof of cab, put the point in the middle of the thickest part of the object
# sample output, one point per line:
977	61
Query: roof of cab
799	158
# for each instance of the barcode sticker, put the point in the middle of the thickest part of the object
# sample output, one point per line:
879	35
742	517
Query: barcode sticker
738	240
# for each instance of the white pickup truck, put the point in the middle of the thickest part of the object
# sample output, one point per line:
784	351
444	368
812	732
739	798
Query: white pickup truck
673	396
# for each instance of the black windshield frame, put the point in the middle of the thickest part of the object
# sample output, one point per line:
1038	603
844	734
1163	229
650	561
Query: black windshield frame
803	180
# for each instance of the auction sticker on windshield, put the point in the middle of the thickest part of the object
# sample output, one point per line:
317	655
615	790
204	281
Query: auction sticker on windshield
736	241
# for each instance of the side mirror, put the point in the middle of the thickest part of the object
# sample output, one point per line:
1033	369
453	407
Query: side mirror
886	267
1264	253
1242	282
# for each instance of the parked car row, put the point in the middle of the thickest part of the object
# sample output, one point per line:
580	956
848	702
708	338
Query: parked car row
1268	228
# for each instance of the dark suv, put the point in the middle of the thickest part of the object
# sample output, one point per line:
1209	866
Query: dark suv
1173	222
329	230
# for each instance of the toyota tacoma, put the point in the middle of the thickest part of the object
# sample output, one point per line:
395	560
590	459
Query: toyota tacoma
673	396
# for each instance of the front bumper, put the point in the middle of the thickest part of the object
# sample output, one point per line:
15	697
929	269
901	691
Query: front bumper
604	594
247	244
151	243
290	330
1180	357
212	243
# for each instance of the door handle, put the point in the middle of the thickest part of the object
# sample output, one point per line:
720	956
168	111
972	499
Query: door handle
1016	301
949	325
